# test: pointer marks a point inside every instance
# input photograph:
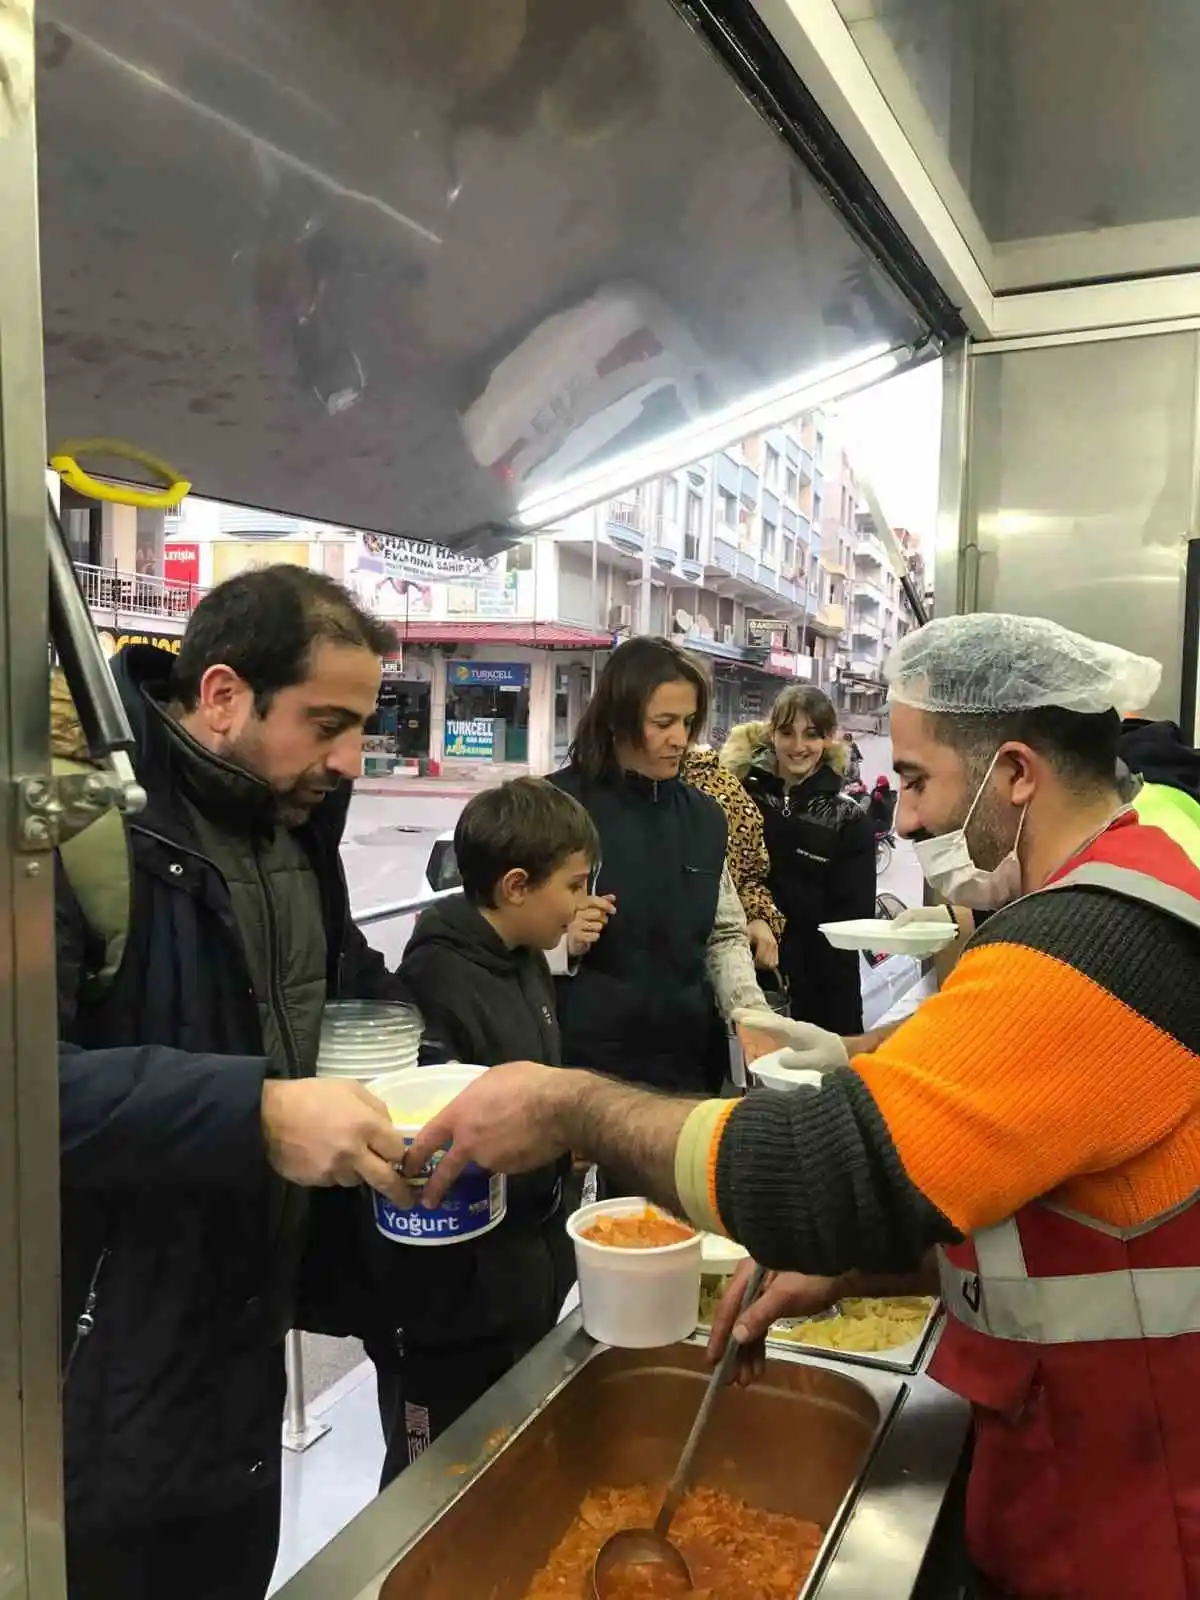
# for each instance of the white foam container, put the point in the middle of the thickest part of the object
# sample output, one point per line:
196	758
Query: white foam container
635	1299
721	1257
883	937
766	1073
478	1200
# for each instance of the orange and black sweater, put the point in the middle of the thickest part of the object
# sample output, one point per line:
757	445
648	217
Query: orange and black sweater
1062	1057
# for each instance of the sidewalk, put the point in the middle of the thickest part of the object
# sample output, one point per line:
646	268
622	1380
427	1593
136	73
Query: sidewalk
463	780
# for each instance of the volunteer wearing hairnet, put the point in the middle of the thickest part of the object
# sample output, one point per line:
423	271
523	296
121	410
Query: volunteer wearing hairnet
1038	1121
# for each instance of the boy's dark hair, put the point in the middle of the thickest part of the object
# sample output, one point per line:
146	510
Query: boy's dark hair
526	823
616	713
263	624
1080	746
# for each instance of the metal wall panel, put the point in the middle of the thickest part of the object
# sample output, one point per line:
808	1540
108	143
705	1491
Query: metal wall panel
1080	490
31	1563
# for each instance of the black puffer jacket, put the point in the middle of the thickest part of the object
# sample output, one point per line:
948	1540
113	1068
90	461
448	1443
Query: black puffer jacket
484	1004
172	1217
640	1005
1156	750
822	850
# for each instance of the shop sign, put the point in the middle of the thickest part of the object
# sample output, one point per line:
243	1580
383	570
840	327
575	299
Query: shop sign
111	640
487	674
474	737
498	595
393	666
181	562
766	631
783	661
398	557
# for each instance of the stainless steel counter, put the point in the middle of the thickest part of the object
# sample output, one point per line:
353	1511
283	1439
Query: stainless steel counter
867	1453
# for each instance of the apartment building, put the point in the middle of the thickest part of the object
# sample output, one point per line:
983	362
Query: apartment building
756	558
880	613
725	557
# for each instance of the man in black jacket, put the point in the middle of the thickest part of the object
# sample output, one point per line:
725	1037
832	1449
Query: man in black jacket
460	1318
1157	752
192	1123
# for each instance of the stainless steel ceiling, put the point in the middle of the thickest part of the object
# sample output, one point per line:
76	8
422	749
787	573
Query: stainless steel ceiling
1069	128
246	205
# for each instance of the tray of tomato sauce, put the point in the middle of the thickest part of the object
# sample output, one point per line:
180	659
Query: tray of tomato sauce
735	1551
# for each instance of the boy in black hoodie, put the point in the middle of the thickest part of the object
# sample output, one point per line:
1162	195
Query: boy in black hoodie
476	967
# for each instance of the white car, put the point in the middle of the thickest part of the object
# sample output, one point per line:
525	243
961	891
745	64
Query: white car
886	980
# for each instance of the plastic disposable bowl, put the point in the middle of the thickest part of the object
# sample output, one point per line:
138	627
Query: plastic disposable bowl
635	1299
475	1204
362	1039
721	1257
766	1073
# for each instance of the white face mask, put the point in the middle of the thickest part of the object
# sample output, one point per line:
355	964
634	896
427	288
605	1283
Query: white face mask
946	864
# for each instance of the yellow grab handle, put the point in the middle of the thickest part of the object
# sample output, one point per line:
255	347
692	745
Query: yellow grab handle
64	461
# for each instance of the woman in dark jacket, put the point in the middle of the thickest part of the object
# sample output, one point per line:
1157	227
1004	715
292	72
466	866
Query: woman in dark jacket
821	846
668	933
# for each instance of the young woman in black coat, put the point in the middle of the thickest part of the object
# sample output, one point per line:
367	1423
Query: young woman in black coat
821	846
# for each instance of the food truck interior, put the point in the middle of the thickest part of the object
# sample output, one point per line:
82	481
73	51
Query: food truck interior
454	268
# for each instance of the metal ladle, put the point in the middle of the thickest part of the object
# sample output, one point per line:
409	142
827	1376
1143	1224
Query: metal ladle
650	1546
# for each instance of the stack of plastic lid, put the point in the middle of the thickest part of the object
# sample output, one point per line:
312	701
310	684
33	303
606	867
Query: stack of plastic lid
363	1039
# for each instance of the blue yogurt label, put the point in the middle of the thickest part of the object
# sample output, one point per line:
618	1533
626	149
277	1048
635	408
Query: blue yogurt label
475	1204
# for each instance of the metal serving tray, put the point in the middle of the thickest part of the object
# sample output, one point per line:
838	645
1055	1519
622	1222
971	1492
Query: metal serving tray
910	1357
868	1454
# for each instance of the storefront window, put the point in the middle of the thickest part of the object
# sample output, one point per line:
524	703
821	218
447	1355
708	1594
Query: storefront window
487	710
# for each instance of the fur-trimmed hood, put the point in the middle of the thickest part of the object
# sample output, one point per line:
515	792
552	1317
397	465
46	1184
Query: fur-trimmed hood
749	745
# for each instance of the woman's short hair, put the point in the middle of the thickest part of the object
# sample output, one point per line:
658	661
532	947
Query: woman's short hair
616	713
799	703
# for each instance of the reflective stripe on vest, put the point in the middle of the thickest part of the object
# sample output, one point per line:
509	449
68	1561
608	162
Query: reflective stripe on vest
1002	1300
1132	886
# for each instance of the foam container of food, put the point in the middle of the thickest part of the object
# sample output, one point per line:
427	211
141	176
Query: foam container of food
635	1299
879	936
363	1039
767	1073
478	1200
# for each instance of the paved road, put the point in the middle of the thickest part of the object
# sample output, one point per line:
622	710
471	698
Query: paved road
389	837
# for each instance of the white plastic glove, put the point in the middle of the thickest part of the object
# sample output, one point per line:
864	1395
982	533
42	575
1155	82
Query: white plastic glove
808	1048
923	914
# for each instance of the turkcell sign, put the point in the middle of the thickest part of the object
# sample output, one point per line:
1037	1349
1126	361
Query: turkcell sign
487	674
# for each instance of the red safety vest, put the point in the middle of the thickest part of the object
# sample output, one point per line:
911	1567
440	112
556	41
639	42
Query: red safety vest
1078	1345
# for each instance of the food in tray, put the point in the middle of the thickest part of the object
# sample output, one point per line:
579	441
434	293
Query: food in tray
861	1327
735	1552
649	1229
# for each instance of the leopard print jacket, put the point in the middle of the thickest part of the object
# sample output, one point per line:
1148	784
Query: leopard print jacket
746	853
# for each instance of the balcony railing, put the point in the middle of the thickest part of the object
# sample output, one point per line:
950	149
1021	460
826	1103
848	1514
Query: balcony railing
136	594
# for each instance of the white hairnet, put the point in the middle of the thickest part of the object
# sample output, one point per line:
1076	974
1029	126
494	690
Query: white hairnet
987	663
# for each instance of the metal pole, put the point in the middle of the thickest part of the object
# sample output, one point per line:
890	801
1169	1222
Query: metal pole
299	1432
595	589
31	1503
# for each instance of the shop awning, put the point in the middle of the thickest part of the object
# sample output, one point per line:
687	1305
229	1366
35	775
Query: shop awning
538	635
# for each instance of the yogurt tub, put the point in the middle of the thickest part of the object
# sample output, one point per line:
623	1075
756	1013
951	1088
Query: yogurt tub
635	1299
478	1200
